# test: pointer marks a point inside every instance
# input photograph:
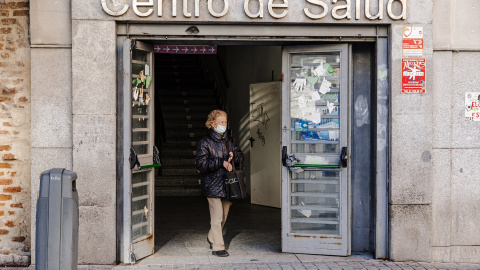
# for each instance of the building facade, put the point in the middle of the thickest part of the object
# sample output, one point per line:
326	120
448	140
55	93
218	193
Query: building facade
66	66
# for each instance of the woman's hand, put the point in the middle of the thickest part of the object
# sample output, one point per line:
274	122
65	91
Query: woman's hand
227	165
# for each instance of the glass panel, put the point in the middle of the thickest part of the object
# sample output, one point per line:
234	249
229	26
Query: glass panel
315	102
140	55
137	67
315	148
315	138
140	205
140	106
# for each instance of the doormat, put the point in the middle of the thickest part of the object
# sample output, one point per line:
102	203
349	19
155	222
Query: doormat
185	49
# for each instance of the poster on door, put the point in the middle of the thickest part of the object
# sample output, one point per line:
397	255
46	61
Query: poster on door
472	106
412	41
413	75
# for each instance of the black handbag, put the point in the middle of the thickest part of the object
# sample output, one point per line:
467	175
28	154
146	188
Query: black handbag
235	186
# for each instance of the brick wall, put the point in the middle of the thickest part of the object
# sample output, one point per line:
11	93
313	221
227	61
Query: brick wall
14	133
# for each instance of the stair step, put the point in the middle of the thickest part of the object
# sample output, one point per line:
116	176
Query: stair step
165	181
176	60
178	153
189	109
180	75
174	70
182	161
180	86
177	81
185	117
185	125
210	101
185	144
183	135
174	92
178	192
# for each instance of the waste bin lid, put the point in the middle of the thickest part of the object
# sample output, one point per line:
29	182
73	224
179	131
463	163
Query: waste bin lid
58	176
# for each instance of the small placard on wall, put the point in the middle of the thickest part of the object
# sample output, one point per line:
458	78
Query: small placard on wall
472	106
413	75
412	44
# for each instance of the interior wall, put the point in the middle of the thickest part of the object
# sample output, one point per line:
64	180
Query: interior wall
245	65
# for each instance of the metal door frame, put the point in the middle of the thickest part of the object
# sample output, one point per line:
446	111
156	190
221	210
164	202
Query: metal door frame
125	248
249	34
346	136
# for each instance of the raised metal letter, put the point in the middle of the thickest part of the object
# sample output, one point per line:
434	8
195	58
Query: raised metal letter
114	13
271	5
403	15
259	14
347	14
319	3
215	14
136	4
174	8
185	9
380	10
197	8
358	9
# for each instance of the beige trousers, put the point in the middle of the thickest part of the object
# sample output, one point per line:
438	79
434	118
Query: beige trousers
218	216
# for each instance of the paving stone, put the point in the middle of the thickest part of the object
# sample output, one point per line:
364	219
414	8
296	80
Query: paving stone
274	266
286	266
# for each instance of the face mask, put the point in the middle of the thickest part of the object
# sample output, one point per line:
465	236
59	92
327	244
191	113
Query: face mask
221	129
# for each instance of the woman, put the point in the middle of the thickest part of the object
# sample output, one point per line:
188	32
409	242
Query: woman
215	153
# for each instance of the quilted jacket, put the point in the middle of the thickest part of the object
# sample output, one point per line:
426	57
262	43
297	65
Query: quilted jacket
212	150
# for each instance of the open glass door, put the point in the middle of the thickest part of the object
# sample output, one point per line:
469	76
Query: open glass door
315	215
139	174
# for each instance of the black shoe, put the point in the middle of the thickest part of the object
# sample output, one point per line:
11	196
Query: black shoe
220	253
209	243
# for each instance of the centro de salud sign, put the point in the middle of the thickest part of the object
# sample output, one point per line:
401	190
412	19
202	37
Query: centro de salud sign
278	9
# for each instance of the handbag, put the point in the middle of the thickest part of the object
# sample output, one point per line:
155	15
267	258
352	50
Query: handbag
235	187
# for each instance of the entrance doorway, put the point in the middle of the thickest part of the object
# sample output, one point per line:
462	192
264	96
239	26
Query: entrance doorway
233	64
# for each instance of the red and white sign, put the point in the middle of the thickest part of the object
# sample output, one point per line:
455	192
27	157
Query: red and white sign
472	106
413	75
412	41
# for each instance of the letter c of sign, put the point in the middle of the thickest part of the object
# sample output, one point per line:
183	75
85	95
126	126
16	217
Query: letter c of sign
114	13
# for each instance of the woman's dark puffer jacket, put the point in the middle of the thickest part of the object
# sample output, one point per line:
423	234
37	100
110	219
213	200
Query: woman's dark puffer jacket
211	152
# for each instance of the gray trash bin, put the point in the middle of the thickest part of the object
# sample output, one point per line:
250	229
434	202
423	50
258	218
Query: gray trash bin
56	243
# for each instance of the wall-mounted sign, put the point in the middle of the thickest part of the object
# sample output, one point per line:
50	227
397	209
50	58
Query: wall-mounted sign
472	106
258	9
413	75
412	41
185	49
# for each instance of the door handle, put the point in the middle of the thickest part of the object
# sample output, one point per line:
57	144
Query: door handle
344	157
133	159
284	156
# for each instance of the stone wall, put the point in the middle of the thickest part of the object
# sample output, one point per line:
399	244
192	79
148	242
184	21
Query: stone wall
51	76
14	133
455	154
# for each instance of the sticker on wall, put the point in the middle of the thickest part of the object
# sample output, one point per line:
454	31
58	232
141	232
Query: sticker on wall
412	41
413	75
472	106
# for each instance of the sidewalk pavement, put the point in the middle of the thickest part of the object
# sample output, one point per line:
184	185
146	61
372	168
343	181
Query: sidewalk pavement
290	262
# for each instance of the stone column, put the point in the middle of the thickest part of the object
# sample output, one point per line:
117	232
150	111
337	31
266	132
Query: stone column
51	84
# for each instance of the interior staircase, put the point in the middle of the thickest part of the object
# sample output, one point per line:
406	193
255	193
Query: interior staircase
185	99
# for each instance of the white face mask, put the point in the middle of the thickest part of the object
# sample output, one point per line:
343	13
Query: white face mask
221	129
